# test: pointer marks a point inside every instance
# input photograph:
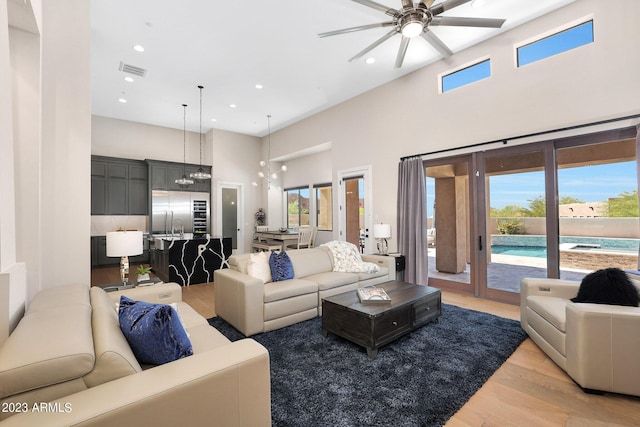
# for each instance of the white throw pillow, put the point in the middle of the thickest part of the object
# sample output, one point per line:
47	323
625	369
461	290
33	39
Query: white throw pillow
258	267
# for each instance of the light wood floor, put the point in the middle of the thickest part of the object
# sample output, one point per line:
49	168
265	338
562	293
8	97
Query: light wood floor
528	389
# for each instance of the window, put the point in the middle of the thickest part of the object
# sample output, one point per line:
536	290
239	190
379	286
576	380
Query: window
473	73
297	206
324	207
557	43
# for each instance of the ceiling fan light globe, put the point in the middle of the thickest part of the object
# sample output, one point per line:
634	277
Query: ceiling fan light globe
412	29
261	174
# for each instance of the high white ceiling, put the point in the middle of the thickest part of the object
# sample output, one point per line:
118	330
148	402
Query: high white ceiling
230	46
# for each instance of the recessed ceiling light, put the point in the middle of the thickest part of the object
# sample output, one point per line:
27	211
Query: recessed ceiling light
233	105
370	60
128	79
138	48
214	120
122	100
259	86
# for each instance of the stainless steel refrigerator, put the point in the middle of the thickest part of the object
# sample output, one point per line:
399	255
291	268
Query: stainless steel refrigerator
179	212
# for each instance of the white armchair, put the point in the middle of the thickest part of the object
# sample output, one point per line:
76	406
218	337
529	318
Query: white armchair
596	344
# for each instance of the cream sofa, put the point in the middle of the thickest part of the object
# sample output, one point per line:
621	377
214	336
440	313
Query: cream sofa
596	344
68	363
252	306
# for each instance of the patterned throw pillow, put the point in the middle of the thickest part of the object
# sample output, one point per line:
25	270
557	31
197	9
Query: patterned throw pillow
153	331
281	267
259	267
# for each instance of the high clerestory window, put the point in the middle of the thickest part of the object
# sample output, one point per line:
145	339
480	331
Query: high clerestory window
473	73
554	44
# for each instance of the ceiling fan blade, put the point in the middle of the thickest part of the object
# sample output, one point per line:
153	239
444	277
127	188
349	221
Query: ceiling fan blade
404	44
358	28
427	3
374	45
377	6
446	5
407	3
467	22
436	42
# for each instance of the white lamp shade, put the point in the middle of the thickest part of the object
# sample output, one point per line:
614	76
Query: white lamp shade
382	231
124	243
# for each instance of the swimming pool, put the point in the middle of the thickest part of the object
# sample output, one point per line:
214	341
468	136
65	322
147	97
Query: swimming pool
535	246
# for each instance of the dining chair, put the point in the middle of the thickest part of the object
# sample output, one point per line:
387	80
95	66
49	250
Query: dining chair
305	235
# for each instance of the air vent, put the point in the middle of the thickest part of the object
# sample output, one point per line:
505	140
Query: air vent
132	69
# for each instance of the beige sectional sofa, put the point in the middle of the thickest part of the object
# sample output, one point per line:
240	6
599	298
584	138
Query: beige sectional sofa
596	344
253	306
68	363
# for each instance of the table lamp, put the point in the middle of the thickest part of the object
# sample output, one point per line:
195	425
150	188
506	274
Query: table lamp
123	244
382	232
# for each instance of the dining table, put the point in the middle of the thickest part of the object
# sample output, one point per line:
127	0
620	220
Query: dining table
284	236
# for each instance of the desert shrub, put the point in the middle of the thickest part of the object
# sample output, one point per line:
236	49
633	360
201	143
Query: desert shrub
512	226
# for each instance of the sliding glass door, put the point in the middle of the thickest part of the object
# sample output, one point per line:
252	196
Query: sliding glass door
598	208
514	220
559	209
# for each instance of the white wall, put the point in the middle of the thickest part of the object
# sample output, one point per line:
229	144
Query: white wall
45	141
408	116
12	289
65	148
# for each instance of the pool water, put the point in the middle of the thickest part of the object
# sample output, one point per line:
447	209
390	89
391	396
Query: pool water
530	251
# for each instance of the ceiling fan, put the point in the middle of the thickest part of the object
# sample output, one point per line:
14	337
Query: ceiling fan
414	19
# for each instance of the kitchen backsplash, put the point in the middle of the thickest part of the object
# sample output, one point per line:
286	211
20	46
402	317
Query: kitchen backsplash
100	224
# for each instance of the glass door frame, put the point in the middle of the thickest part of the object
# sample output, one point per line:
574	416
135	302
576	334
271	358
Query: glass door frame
551	221
467	288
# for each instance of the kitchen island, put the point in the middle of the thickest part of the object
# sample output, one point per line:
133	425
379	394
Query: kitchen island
188	261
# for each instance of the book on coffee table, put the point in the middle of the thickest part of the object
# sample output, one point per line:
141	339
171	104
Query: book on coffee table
373	295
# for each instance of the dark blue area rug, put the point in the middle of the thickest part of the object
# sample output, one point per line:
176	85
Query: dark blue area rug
421	379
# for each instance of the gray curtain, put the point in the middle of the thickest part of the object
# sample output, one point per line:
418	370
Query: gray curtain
412	220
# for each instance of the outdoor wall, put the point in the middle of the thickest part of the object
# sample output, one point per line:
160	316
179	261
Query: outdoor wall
409	116
587	227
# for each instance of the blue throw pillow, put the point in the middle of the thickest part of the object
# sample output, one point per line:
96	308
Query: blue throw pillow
153	331
281	267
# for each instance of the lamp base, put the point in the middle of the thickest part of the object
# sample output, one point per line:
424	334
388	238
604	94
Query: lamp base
124	270
383	247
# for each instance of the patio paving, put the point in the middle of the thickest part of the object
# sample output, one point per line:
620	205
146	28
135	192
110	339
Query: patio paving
505	272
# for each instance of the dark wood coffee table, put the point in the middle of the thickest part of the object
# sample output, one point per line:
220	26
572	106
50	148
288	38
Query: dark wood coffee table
374	325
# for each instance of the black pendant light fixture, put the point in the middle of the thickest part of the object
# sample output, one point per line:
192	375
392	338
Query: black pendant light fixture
200	175
184	181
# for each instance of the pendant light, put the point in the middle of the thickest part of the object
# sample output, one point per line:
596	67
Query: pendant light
201	174
184	181
266	173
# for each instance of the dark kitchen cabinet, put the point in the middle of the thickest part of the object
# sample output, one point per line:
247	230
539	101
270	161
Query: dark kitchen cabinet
163	176
138	190
119	186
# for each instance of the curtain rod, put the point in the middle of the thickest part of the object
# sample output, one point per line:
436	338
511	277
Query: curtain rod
513	138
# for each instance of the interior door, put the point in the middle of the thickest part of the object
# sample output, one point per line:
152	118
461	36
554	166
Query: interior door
230	214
